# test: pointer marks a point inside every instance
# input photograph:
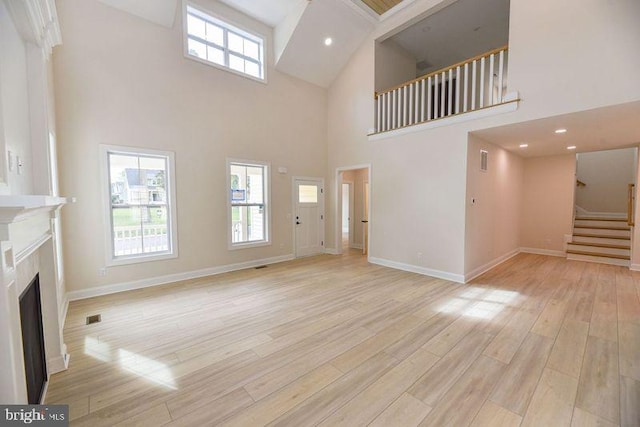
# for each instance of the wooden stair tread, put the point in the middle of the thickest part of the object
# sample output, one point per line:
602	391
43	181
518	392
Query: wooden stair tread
592	218
604	236
625	257
601	245
600	227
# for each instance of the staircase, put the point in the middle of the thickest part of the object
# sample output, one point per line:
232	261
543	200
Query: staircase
603	240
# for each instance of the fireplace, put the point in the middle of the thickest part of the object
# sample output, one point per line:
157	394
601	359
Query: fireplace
32	303
35	364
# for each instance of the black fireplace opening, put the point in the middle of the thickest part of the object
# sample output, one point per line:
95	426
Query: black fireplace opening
33	341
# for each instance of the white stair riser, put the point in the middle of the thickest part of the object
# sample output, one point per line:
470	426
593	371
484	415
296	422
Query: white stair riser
601	232
586	222
601	240
597	249
603	260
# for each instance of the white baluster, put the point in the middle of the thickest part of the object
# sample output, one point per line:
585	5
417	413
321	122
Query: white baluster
465	100
501	76
443	95
473	85
458	89
389	110
436	93
379	111
482	66
393	110
411	104
428	100
398	121
416	106
450	93
423	83
404	106
383	112
491	79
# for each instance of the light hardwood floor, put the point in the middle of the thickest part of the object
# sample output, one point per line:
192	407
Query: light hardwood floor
335	341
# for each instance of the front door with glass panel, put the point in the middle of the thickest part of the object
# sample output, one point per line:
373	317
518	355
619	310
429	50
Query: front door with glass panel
308	216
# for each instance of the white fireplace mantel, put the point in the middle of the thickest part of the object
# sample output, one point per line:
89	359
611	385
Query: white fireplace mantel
27	228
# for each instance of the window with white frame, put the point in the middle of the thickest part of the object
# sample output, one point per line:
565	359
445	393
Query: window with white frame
248	203
221	44
140	200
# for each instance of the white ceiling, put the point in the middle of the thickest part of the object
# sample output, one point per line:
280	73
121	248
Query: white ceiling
306	56
593	130
462	30
270	12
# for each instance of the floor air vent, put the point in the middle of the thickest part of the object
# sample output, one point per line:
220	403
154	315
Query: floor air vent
261	266
96	318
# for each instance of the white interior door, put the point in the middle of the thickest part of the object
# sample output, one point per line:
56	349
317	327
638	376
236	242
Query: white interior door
309	216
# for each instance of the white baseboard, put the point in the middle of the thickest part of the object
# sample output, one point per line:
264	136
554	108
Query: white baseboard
171	278
417	269
549	252
634	267
331	251
488	266
356	246
58	364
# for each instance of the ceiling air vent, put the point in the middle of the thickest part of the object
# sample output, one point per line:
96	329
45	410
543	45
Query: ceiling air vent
484	160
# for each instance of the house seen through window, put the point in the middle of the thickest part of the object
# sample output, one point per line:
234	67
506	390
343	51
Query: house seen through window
248	203
140	205
221	44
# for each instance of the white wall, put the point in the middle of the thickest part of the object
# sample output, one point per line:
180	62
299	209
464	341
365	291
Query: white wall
419	181
494	205
124	81
573	55
547	208
393	65
606	175
14	106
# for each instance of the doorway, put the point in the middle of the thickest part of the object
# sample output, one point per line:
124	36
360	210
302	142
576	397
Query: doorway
604	198
308	207
353	207
347	214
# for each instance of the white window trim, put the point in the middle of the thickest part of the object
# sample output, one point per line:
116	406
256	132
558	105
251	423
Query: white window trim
267	204
185	42
110	259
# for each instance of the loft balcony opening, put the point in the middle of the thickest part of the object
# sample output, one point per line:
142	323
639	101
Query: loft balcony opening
450	62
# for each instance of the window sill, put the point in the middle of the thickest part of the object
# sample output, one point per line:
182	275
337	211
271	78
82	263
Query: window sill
138	259
236	246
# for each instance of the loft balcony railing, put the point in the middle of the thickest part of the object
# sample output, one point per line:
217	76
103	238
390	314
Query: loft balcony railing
471	85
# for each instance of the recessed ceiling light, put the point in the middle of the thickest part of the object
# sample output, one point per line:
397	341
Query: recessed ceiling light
571	147
328	41
561	131
524	145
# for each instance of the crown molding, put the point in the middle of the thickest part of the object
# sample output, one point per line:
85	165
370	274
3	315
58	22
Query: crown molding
36	22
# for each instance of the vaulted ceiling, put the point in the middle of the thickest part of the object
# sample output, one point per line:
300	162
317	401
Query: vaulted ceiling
301	27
